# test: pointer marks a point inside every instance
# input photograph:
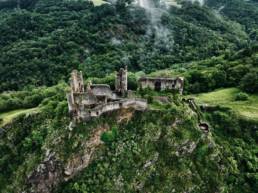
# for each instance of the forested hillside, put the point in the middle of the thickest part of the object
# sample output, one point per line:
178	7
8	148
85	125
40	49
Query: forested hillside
212	44
43	40
160	150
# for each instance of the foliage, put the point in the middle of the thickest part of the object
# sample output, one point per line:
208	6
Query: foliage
249	82
140	151
153	148
158	150
109	136
241	96
237	137
44	40
30	98
247	109
17	145
34	141
7	117
23	143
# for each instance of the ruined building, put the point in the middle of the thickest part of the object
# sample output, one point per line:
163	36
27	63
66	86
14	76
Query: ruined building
92	100
160	84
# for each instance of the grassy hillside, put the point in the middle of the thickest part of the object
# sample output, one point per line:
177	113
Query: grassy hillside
227	98
9	116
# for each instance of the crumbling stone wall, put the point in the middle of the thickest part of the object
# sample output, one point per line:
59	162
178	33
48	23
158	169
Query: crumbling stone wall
161	84
138	104
121	81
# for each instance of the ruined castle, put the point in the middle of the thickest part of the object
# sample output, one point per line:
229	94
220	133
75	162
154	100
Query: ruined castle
92	100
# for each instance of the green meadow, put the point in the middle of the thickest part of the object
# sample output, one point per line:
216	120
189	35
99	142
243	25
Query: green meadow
226	97
7	117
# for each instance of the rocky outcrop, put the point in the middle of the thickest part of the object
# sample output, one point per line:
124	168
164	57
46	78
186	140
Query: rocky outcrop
51	171
47	175
81	160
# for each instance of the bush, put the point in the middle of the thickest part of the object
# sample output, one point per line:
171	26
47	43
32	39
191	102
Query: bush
150	99
34	141
241	96
132	82
61	109
109	136
249	82
33	100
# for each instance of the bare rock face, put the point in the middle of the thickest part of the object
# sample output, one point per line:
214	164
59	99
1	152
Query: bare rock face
51	171
47	175
81	160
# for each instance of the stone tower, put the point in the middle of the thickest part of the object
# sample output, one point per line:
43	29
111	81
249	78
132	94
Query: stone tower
77	87
77	84
121	81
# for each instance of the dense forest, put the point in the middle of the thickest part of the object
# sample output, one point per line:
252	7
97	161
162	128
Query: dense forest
43	40
213	44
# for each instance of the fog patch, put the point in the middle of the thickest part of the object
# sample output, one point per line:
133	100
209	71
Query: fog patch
162	35
201	2
115	41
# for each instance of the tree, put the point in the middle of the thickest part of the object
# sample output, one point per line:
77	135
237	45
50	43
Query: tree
249	82
219	77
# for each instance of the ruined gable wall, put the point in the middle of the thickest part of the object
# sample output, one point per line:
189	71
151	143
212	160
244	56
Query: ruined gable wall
147	84
170	84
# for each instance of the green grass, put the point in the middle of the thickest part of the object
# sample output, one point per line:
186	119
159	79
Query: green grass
182	70
95	2
9	116
226	97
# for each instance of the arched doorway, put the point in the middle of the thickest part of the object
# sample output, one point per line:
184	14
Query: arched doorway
158	86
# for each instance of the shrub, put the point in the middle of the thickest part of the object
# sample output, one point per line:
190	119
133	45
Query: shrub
34	141
61	109
109	136
132	82
249	82
241	96
150	99
33	100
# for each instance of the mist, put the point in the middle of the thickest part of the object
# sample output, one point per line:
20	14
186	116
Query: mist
163	36
200	1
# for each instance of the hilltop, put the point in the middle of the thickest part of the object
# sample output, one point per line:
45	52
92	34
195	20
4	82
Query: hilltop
163	148
158	150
